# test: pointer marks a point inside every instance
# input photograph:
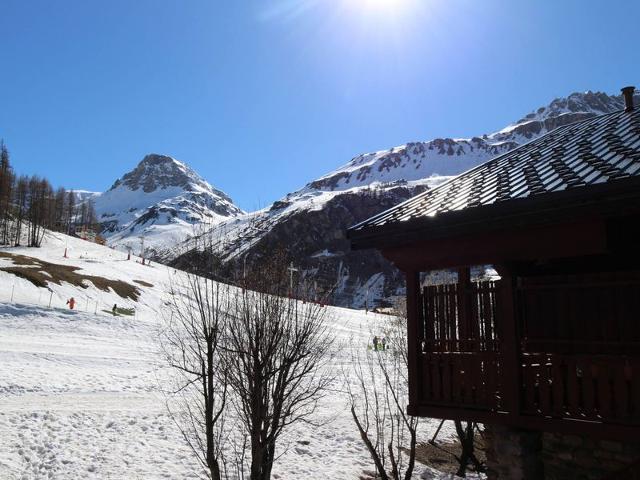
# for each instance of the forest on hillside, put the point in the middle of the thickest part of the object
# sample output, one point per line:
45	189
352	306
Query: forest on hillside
29	205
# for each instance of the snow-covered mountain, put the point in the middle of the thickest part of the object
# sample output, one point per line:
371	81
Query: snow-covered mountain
162	199
311	222
448	156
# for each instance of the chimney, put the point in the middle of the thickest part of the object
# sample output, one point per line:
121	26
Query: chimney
627	93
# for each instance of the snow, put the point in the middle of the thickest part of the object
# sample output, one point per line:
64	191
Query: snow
429	163
162	199
81	396
452	156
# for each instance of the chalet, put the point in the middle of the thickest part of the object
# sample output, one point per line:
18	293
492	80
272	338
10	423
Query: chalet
546	354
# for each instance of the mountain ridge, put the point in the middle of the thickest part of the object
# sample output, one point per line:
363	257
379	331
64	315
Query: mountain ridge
364	186
175	209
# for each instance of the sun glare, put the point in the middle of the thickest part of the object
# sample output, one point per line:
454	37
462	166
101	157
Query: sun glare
381	7
382	4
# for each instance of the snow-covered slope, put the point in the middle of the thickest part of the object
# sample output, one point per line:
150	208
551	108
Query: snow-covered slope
85	195
162	199
81	392
311	222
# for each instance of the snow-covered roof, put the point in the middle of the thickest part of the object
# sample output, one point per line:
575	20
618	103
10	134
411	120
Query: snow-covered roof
598	150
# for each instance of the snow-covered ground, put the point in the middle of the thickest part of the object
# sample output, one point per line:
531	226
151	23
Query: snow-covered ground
80	391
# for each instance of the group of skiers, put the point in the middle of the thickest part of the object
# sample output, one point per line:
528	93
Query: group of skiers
379	343
72	303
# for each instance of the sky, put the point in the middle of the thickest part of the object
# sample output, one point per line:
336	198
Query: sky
262	96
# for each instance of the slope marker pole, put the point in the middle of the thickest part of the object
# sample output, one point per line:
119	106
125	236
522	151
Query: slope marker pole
50	297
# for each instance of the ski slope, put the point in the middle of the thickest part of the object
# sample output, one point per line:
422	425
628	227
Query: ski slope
80	391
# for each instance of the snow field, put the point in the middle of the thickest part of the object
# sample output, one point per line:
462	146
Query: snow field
81	393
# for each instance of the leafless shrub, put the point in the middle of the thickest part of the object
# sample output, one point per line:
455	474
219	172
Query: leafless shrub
276	357
251	361
378	399
466	436
191	341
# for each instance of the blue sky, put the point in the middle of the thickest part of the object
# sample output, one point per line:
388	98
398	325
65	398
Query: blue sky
262	96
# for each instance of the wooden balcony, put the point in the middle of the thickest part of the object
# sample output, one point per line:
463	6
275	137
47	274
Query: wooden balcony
566	359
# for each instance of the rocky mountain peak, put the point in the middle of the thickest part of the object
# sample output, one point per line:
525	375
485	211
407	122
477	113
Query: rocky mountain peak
586	103
156	172
161	198
447	156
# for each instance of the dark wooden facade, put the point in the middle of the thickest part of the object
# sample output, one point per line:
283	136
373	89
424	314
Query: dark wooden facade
553	343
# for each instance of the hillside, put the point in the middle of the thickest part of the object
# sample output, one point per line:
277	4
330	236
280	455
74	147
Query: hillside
81	395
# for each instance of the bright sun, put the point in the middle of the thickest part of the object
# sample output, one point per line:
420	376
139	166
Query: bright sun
381	6
381	3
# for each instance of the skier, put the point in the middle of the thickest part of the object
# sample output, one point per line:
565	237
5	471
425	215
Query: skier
384	343
375	342
114	310
71	302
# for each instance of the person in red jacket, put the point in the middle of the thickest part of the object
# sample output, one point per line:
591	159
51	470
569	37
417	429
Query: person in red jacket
71	302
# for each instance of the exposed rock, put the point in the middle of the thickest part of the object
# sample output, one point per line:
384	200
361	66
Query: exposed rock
162	199
311	222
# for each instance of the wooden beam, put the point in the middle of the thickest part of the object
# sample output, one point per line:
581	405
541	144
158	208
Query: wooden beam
510	343
465	328
587	237
619	432
413	317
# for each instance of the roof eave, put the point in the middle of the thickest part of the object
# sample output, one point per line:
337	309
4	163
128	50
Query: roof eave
601	199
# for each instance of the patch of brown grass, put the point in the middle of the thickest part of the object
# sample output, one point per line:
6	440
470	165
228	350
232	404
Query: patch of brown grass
34	276
41	273
18	259
143	283
441	456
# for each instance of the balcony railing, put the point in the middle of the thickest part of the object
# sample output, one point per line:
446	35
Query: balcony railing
600	388
590	374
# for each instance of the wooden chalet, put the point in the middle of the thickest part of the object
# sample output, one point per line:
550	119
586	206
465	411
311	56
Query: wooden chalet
551	343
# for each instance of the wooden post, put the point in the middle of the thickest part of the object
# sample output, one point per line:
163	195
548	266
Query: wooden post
465	328
50	298
511	361
413	317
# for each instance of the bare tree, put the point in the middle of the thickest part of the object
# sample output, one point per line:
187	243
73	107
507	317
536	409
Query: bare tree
70	211
466	436
21	192
191	342
378	399
277	353
39	199
7	180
